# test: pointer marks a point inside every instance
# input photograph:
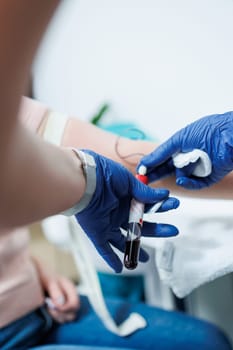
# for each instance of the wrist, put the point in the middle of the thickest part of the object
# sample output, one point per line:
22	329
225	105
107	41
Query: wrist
88	168
76	165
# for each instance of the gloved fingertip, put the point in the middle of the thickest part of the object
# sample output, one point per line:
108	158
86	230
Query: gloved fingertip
171	232
190	184
118	270
143	256
184	182
175	231
176	203
162	191
180	181
117	267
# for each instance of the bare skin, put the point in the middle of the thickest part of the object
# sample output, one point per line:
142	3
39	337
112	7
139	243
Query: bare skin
63	298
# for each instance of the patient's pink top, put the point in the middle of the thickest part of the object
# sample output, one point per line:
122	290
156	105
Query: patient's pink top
20	290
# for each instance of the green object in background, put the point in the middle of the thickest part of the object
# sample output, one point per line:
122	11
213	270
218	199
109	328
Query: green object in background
96	118
128	129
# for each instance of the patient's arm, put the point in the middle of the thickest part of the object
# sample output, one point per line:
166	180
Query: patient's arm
220	190
80	134
36	179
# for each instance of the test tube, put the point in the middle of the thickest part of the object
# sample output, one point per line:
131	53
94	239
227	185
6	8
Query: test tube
132	245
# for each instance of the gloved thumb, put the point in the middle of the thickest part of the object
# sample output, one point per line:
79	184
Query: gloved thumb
161	154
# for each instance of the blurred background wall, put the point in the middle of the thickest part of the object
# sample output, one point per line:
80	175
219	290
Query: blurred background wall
162	63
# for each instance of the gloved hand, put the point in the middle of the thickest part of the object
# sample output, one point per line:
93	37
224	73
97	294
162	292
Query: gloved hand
108	210
212	134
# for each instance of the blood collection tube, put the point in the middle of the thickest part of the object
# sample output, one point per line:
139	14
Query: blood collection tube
132	245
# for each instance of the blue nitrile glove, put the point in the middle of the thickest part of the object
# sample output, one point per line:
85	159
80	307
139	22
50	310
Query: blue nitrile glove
212	134
108	210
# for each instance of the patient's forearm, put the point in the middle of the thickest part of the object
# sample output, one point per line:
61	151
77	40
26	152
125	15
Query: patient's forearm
82	134
37	180
220	190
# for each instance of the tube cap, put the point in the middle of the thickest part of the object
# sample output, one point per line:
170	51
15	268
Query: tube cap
142	178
